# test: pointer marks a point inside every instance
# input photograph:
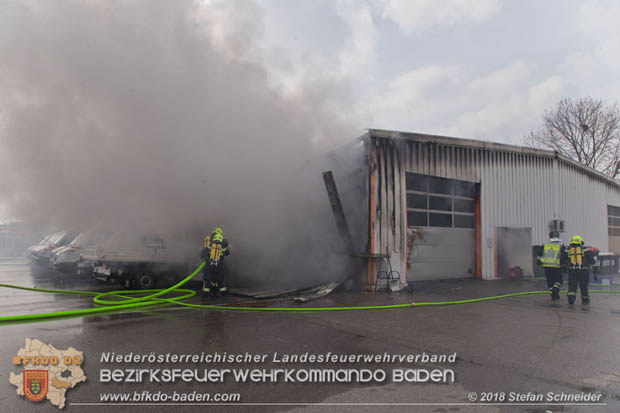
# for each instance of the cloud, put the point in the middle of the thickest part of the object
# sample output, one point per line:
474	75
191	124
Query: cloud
592	68
515	74
360	53
509	114
413	93
353	47
501	105
415	16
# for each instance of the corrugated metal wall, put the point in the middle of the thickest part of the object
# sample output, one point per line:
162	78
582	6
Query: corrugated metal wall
522	189
388	228
584	195
516	190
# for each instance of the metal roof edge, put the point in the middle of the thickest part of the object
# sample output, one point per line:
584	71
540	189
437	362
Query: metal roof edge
474	143
448	140
587	169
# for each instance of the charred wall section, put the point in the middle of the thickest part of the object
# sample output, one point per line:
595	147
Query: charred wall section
349	165
517	188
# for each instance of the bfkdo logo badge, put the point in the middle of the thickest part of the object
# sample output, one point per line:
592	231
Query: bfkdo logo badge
35	384
47	372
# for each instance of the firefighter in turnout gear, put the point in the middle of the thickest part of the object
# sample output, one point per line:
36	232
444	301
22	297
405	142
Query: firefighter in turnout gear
580	260
552	260
215	249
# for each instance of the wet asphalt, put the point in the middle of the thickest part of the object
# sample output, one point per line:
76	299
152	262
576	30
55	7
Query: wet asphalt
520	345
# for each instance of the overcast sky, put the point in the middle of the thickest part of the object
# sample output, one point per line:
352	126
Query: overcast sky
482	69
468	68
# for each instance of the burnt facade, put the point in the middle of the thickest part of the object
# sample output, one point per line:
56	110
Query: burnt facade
443	207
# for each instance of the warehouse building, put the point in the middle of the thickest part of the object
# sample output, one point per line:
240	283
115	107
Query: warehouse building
434	207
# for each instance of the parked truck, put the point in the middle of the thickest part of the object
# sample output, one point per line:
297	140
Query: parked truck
149	264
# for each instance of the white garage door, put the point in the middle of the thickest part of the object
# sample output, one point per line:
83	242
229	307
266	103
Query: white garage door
441	228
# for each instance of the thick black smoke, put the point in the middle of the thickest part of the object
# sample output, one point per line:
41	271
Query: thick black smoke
129	116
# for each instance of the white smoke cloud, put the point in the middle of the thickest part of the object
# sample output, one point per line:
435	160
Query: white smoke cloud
157	116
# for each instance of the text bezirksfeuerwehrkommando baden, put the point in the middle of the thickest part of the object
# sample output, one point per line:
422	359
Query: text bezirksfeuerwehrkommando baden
284	375
146	373
112	357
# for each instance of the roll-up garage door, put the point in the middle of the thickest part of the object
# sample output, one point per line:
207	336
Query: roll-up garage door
441	236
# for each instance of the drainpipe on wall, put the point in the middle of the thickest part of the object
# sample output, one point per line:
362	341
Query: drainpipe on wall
556	185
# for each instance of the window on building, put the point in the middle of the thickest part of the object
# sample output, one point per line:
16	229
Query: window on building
417	201
439	185
463	221
417	219
613	221
440	202
417	182
440	220
462	188
464	205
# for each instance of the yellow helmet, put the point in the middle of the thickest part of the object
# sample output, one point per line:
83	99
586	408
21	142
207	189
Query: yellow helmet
219	230
576	240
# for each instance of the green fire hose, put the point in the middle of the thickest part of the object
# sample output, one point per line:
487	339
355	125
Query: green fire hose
155	297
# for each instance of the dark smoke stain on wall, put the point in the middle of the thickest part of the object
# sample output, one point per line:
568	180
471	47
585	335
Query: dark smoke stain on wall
125	115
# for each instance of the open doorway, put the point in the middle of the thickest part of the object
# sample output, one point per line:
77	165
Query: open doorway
513	249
